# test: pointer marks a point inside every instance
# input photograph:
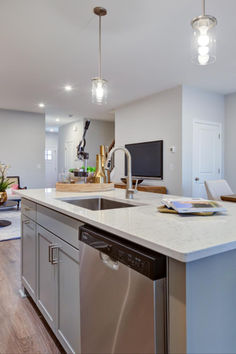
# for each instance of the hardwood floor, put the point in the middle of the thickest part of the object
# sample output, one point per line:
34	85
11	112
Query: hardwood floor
22	328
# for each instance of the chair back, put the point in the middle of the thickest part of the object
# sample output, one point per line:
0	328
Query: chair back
215	189
15	180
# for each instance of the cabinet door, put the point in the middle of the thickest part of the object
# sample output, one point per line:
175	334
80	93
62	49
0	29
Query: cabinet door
29	255
68	320
47	276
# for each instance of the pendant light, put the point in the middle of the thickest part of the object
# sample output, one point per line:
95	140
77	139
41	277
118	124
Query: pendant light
99	85
204	41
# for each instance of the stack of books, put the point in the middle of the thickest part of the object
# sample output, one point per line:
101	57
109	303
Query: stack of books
192	205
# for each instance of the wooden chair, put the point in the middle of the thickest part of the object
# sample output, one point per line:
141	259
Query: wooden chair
16	180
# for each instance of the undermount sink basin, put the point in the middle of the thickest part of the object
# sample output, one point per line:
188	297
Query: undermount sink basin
98	203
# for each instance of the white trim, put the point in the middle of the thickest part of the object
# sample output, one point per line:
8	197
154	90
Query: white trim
195	121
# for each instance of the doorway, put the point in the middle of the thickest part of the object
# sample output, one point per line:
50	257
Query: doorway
207	155
51	166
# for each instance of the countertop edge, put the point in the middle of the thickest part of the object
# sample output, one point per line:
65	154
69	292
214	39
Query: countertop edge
183	257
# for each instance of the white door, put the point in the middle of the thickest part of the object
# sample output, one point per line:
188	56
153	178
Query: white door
51	166
207	152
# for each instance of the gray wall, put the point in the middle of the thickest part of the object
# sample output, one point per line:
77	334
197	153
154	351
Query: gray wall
230	141
210	304
22	144
158	117
197	105
201	306
100	132
51	139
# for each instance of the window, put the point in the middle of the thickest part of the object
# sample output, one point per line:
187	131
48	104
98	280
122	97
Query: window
48	154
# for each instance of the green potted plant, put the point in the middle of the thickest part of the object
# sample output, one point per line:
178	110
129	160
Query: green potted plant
4	182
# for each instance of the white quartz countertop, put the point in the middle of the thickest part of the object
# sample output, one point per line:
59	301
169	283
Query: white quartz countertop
185	238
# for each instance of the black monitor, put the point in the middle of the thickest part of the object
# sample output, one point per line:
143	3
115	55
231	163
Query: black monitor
147	159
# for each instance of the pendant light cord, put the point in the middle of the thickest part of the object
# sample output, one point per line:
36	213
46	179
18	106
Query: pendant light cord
203	7
100	49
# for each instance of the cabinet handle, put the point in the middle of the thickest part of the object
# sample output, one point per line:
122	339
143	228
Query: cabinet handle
27	209
30	224
54	247
49	253
51	259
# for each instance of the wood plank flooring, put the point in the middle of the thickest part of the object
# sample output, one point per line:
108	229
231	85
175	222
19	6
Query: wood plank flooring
22	328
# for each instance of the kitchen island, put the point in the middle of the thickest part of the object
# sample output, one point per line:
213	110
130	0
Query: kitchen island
200	253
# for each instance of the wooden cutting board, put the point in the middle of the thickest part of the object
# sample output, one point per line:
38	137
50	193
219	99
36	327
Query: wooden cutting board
229	198
84	187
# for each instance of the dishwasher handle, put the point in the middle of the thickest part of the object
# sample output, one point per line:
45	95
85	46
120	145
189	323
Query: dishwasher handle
101	246
96	243
109	262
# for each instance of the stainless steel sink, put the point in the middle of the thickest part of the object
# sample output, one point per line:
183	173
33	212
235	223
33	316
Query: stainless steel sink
98	203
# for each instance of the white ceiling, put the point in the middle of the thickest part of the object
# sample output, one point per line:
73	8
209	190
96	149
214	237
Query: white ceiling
54	121
46	44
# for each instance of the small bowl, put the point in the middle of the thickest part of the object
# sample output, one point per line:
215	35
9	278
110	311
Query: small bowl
140	180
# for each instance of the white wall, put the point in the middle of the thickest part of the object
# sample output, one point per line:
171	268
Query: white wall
22	144
158	117
69	133
230	140
197	105
100	132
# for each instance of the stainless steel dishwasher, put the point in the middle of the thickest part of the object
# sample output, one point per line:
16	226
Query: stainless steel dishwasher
122	295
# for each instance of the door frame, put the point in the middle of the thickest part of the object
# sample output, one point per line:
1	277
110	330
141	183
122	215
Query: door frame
54	148
216	124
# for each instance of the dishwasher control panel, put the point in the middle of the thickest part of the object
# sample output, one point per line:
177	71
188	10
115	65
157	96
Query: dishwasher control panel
147	262
133	261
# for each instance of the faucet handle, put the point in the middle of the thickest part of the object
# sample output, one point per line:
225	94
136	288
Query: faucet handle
136	186
134	190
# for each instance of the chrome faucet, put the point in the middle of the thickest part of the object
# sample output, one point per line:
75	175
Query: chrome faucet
129	190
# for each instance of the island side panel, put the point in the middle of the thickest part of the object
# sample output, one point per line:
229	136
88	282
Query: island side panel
211	304
176	307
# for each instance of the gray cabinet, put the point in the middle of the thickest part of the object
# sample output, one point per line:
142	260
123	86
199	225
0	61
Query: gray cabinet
47	276
58	288
68	319
50	269
59	224
28	208
29	255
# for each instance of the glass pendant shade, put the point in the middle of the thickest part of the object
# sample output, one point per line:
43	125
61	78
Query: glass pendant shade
204	40
99	91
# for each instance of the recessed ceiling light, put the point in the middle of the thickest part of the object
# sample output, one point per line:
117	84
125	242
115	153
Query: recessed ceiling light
68	88
41	105
51	130
57	119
